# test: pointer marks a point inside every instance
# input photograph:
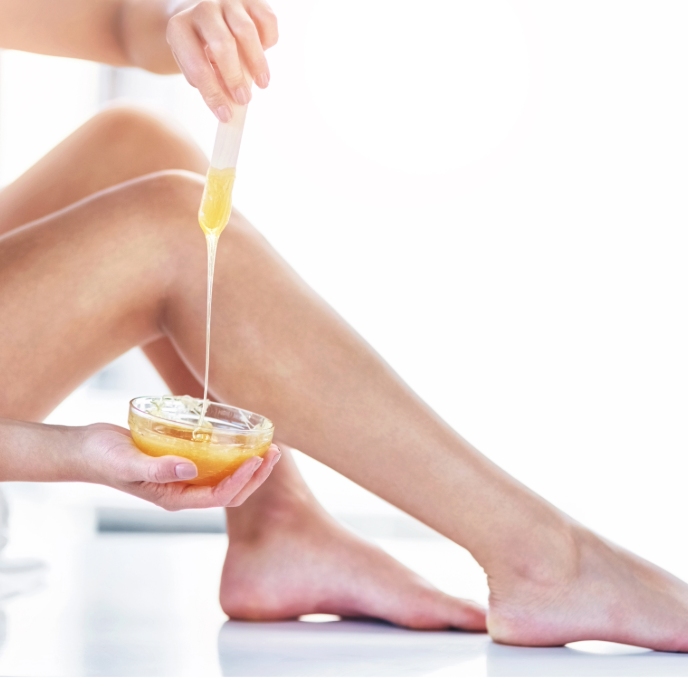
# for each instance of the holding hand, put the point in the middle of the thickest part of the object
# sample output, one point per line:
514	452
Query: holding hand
210	39
110	457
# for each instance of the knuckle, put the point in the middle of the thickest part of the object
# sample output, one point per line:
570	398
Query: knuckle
234	79
243	28
207	84
222	50
154	472
205	9
196	74
176	28
270	40
270	28
232	74
267	15
214	99
175	23
259	65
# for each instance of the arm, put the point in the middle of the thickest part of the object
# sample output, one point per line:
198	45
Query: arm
105	454
207	39
86	29
38	452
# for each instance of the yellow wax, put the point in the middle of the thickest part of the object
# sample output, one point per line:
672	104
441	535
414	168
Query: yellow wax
216	204
215	456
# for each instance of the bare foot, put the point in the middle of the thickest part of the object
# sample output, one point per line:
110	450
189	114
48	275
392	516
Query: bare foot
303	562
593	591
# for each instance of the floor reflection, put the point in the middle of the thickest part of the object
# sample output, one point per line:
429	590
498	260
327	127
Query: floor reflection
341	648
588	659
359	648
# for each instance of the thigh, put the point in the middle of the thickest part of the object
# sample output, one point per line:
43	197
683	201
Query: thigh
84	285
117	145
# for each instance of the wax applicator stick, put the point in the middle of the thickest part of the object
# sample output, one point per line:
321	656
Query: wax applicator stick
215	209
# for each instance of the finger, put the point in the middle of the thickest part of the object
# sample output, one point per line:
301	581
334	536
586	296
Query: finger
259	477
246	34
266	23
222	46
176	497
139	467
119	429
189	52
230	487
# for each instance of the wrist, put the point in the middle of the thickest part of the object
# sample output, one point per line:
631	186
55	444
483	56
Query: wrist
142	34
36	452
61	448
88	461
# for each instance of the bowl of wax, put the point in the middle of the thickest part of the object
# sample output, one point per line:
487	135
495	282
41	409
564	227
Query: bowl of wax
218	442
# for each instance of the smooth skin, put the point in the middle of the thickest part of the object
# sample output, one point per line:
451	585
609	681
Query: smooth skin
286	554
127	261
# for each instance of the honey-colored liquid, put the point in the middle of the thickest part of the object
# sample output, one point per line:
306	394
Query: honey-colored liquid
214	460
216	204
213	216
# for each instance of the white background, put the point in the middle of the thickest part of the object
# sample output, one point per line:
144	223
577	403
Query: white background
494	194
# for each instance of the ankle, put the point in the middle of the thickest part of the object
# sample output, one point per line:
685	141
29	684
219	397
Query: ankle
546	556
262	516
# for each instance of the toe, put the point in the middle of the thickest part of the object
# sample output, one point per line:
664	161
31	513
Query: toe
469	616
441	611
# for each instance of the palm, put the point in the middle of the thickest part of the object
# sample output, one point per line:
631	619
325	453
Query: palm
119	463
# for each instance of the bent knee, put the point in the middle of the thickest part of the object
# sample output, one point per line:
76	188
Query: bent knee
119	123
167	195
166	204
153	218
146	140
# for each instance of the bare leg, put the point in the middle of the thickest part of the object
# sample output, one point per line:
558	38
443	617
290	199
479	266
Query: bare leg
127	262
287	524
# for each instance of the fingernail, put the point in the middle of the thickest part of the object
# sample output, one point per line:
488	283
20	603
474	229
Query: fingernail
185	471
241	95
262	80
223	113
276	458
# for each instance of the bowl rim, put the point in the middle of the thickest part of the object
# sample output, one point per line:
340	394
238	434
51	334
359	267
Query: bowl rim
268	426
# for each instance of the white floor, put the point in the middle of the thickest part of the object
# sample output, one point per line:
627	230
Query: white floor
124	604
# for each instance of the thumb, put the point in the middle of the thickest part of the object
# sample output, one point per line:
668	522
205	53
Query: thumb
165	469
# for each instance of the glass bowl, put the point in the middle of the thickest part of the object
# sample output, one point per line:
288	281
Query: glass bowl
228	436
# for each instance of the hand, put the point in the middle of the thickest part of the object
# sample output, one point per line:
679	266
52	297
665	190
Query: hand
110	457
210	39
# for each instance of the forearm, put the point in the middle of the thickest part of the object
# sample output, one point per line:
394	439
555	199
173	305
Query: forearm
86	29
38	452
116	32
142	28
215	44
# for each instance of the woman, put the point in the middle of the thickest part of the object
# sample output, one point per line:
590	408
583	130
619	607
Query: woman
108	257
